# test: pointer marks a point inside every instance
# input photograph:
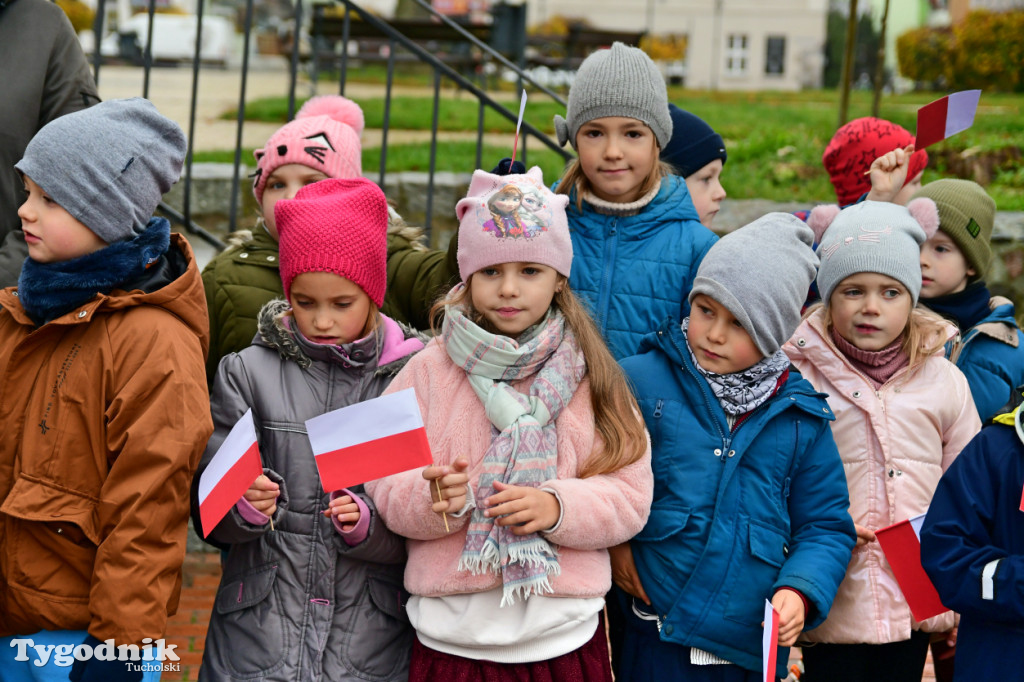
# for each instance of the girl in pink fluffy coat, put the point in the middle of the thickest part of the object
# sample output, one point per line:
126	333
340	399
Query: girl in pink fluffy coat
541	462
903	413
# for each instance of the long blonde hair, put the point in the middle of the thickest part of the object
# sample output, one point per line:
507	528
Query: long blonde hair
616	414
574	180
923	337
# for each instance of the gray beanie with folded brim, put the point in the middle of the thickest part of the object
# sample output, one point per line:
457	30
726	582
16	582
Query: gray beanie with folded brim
108	165
761	273
620	81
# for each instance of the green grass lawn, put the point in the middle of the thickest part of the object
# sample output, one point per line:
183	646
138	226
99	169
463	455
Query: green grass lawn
774	139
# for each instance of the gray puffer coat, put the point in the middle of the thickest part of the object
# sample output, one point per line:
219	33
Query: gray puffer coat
297	602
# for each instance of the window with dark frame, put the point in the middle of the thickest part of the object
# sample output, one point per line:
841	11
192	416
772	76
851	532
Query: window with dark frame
775	56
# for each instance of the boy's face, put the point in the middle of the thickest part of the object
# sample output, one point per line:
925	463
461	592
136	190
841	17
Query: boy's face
52	234
706	191
717	339
944	269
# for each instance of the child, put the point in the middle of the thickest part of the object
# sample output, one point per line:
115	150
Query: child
750	501
903	412
633	225
302	598
852	151
990	350
322	142
541	462
972	546
697	152
104	398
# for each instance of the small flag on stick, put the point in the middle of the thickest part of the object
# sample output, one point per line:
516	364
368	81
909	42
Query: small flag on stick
519	123
229	474
946	117
901	543
369	440
769	642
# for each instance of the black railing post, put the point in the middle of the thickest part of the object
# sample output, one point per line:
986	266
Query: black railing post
147	55
197	60
236	173
296	33
433	153
387	112
97	32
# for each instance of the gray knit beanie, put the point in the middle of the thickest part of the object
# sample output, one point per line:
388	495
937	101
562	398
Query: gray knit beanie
761	273
108	165
621	81
873	236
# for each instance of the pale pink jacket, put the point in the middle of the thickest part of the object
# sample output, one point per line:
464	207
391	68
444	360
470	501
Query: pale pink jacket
597	512
895	442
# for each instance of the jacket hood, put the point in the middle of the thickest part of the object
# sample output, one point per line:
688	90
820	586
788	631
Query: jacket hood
396	342
671	203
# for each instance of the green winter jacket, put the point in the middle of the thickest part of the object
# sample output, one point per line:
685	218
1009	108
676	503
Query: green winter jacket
238	281
417	276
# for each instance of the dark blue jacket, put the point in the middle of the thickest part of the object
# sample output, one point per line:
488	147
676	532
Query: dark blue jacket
991	356
635	271
736	515
975	523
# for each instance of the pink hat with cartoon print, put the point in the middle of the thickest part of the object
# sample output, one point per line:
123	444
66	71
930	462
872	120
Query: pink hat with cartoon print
324	136
512	219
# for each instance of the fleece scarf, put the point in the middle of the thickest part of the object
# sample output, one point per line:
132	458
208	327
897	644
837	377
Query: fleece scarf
740	392
524	452
965	308
49	290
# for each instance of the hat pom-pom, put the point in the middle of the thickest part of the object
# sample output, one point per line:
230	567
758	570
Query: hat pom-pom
821	217
336	107
926	213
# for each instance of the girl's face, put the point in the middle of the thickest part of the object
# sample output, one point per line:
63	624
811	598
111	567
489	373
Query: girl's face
717	339
706	191
506	203
944	269
329	308
514	296
617	155
870	310
284	183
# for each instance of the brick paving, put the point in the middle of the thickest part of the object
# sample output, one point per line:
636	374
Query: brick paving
187	628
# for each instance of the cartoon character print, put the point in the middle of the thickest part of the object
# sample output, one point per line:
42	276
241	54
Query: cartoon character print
511	212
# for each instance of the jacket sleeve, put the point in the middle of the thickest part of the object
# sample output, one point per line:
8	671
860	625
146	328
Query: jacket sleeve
403	500
821	528
157	421
964	425
605	510
972	573
69	83
380	545
230	400
210	289
417	278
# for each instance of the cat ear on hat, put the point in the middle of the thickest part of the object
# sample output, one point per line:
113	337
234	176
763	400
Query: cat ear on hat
926	213
821	217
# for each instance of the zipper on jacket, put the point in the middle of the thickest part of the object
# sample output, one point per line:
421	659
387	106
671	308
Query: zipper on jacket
657	408
604	295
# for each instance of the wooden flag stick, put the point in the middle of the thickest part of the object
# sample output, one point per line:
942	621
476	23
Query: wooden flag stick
440	497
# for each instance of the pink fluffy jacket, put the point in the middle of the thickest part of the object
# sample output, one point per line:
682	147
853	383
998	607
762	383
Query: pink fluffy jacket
597	512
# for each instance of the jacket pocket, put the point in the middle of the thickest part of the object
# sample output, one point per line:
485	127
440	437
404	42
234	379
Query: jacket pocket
381	637
657	557
53	540
753	572
248	634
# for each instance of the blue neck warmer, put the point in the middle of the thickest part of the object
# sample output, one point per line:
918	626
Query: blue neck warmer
49	290
965	308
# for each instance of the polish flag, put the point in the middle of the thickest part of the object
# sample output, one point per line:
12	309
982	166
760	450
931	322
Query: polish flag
230	473
901	543
946	117
369	440
769	643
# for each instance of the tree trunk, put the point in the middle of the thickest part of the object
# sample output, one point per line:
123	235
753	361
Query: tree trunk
848	59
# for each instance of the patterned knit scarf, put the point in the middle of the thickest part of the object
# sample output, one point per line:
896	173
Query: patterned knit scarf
740	392
524	452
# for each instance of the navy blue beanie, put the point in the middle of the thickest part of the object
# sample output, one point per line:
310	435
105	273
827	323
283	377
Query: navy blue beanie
693	144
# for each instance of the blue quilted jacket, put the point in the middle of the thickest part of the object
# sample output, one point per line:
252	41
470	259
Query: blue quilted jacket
736	514
635	271
991	356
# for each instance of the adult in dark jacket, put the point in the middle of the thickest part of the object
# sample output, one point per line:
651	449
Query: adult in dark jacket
44	75
972	547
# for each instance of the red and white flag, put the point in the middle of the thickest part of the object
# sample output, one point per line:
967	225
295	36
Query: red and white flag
946	117
769	643
369	440
901	543
230	473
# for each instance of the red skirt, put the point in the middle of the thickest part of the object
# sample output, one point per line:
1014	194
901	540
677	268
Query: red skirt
589	663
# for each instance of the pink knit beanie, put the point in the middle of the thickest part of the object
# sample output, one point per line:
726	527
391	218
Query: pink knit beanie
324	136
512	219
339	226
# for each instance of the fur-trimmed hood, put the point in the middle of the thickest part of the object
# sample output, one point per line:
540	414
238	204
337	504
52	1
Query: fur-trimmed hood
392	344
